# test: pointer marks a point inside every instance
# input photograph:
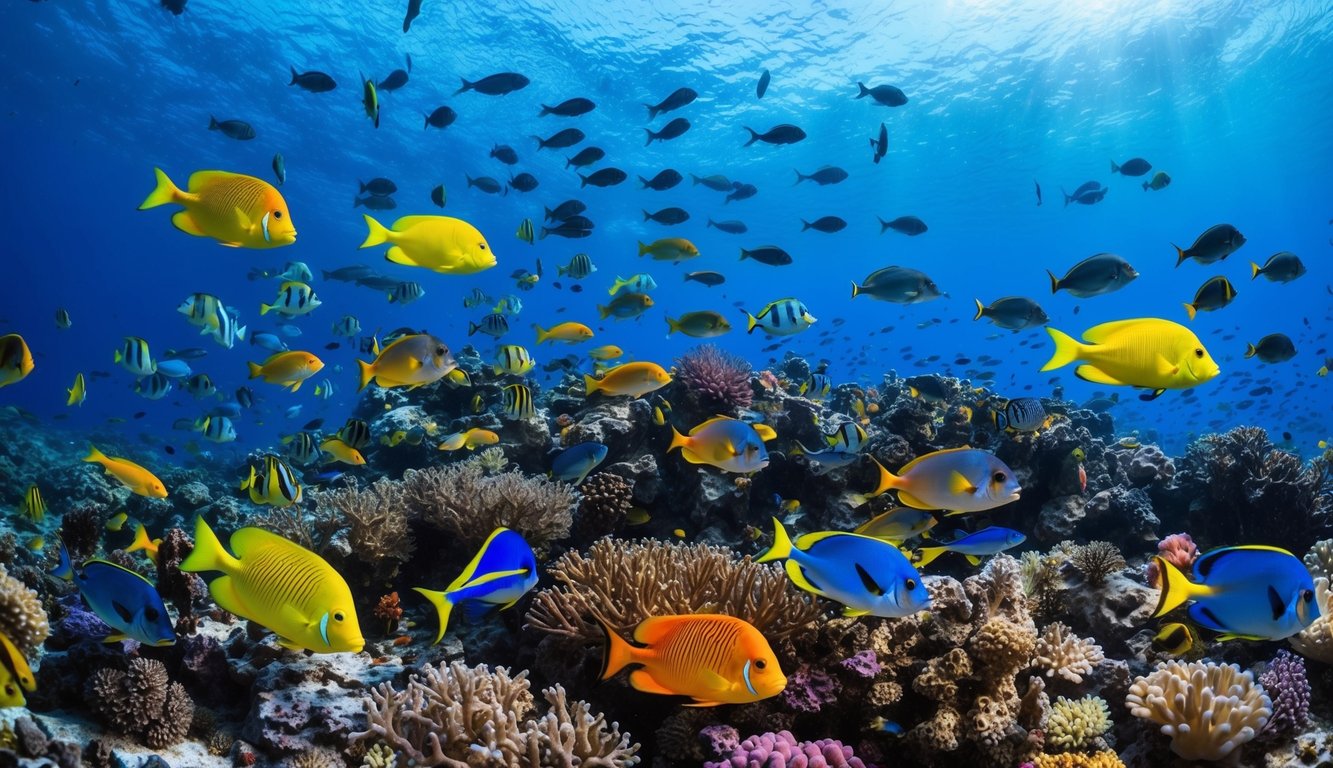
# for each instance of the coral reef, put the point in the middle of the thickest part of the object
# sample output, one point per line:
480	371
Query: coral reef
1077	724
142	702
1061	652
1319	560
1097	560
1103	759
22	618
81	530
450	715
1207	709
606	499
182	589
784	749
713	381
377	529
1286	684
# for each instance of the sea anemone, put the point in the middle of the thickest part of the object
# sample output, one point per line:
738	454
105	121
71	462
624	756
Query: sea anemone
714	381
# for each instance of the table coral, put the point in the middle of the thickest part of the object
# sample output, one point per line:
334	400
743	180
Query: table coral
1061	652
1207	709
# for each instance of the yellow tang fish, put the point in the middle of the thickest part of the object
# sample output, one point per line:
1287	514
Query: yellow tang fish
340	451
1145	352
568	332
439	243
471	439
141	541
79	392
15	675
116	522
236	210
16	359
287	369
280	585
633	379
131	475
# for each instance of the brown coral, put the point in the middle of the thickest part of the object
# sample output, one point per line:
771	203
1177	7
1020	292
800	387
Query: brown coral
22	618
605	503
142	702
455	716
376	518
81	530
1097	560
623	583
714	381
181	588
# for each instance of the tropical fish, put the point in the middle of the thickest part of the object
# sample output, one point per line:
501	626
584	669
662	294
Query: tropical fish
826	224
673	249
569	108
287	369
15	359
134	356
663	181
900	285
640	283
671	130
1022	414
579	267
869	576
498	84
518	402
281	586
302	446
625	305
1135	166
573	464
849	437
1212	295
412	361
341	451
143	542
879	147
959	480
15	675
1175	638
34	506
783	317
494	325
122	599
1146	352
277	486
633	379
78	392
370	99
217	429
1273	348
1247	592
439	243
131	475
1012	312
729	444
1282	267
234	209
513	360
525	231
472	439
826	459
678	98
232	129
713	659
294	299
116	522
987	541
1094	276
406	292
503	570
898	524
1160	180
572	333
1216	243
356	433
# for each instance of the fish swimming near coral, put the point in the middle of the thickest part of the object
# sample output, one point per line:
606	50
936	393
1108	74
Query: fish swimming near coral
15	675
1145	352
236	210
574	463
1246	592
959	480
15	359
280	585
898	524
122	599
501	573
988	541
633	379
711	658
410	361
131	475
726	443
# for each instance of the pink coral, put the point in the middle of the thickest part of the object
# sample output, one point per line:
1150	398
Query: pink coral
1177	549
782	750
717	381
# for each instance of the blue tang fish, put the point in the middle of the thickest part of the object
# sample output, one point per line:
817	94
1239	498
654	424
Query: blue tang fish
122	599
1250	592
987	541
574	463
502	572
868	575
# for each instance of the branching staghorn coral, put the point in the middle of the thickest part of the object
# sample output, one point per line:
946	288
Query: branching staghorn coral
1077	724
377	529
1061	652
1207	709
624	583
460	717
467	503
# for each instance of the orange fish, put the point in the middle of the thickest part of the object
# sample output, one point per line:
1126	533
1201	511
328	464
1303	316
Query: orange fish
711	658
1082	479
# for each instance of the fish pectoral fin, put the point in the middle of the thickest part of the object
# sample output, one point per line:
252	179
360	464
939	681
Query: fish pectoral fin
1165	367
1096	375
959	484
398	256
183	221
642	680
1148	397
223	590
1275	603
290	645
973	559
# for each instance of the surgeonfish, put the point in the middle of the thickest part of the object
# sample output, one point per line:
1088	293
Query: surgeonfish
439	243
573	464
729	444
899	285
15	359
122	599
1273	348
711	658
703	324
1012	312
287	369
411	361
281	586
15	675
131	475
1094	276
633	379
898	524
869	576
1145	352
503	570
1246	592
958	480
236	210
1282	267
987	541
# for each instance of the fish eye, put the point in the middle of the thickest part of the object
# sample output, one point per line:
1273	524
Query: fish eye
1306	595
277	214
439	351
1198	352
911	583
482	246
150	613
999	477
338	616
760	664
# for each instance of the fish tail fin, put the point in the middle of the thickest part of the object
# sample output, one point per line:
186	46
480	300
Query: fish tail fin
367	372
264	309
1180	254
256	370
646	215
924	556
618	653
472	327
94	456
677	440
240	332
883	225
64	569
545	111
1145	186
673	325
541	143
208	553
864	90
590	385
981	310
751	322
1114	168
466	86
163	193
744	253
542	334
212	123
799	177
293	82
604	311
583	181
376	234
443	606
141	540
856	289
1191	310
753	136
1250	351
804	225
1055	281
886	480
782	546
1066	350
1255	269
652	111
1175	587
643	249
651	136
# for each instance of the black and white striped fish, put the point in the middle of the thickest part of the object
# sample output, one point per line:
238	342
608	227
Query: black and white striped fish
579	267
518	402
135	357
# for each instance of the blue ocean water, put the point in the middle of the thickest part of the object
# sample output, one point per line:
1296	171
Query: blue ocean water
1231	99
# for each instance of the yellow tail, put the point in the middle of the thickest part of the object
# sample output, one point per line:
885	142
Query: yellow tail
981	310
1190	310
264	309
95	456
367	374
1176	588
619	283
256	370
751	322
1250	351
672	326
542	333
590	385
924	556
208	554
1055	281
856	289
443	605
677	440
887	480
781	549
1255	269
605	312
1180	254
376	234
165	192
618	653
1066	350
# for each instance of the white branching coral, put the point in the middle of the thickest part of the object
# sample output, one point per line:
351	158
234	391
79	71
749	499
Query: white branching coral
1061	652
1320	559
1207	709
1316	641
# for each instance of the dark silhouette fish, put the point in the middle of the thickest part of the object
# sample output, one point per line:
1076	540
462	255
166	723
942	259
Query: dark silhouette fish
1085	193
232	129
762	88
573	227
524	182
504	153
888	95
1215	244
741	191
1038	186
668	216
586	156
829	174
730	227
662	181
606	177
378	186
780	134
767	254
908	225
669	131
828	224
177	7
315	82
569	108
707	278
413	10
565	210
880	145
716	182
495	85
678	98
484	183
442	117
374	202
1133	167
560	139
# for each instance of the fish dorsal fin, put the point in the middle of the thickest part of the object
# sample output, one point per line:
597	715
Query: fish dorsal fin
201	178
407	222
1203	566
655	628
470	571
911	464
107	564
1275	603
487	578
808	541
713	420
249	540
959	484
764	431
868	581
1099	334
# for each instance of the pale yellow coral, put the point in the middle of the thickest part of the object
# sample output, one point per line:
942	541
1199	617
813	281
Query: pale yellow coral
1207	709
1077	723
1061	652
1316	641
22	618
1106	759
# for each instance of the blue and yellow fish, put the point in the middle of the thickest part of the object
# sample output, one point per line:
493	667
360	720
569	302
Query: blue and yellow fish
1248	592
503	570
573	464
987	541
122	599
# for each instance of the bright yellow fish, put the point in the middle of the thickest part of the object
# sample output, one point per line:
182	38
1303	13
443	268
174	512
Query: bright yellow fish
141	541
572	333
606	352
16	359
439	243
236	210
1145	352
131	475
79	392
633	379
471	439
287	369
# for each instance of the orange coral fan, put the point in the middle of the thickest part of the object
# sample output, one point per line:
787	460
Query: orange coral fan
389	610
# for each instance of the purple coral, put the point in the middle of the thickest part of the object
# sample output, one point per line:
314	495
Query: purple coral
808	690
720	739
864	664
717	381
782	750
1286	684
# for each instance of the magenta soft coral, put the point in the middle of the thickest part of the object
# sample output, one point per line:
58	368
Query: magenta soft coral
1177	549
782	750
